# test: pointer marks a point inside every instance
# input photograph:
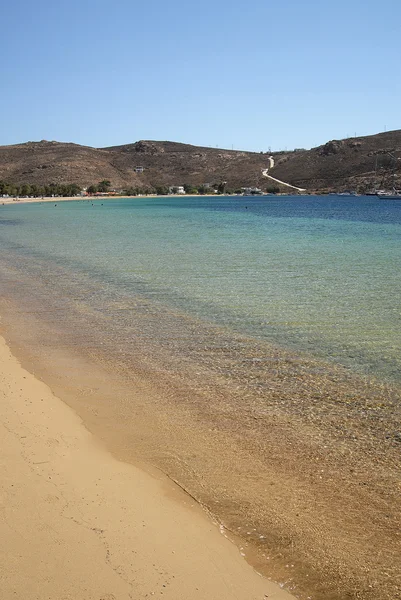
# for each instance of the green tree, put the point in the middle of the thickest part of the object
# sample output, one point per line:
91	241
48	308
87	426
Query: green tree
75	189
25	189
51	189
131	191
104	185
190	189
161	190
37	191
92	189
272	189
34	190
13	190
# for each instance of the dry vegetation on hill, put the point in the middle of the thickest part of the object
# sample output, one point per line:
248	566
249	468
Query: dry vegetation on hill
345	164
335	166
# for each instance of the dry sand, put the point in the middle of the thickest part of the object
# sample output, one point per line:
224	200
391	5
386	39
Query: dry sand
77	524
61	199
91	198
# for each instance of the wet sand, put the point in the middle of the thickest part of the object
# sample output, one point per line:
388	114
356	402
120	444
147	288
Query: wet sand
77	523
299	460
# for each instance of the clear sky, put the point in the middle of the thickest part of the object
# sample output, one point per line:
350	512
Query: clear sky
251	75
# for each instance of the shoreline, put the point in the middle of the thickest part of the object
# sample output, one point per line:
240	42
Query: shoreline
296	457
16	201
77	521
318	501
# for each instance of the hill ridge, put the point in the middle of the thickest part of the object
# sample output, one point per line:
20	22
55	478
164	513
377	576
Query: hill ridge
354	163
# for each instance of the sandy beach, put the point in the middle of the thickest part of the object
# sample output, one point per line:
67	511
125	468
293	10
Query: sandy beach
89	198
296	456
305	513
60	199
77	523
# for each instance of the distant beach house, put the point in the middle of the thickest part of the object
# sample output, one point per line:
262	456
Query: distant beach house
139	169
251	191
176	189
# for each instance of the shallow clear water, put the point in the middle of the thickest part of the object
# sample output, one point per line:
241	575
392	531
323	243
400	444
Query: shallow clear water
314	274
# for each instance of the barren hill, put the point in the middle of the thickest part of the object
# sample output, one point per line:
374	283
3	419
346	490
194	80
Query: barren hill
337	165
56	162
354	163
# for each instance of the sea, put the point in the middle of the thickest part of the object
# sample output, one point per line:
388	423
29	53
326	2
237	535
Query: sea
318	276
247	348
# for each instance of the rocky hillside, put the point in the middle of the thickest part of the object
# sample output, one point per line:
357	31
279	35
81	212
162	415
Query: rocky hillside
54	162
337	165
354	164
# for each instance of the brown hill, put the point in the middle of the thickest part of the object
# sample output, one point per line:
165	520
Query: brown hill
54	162
354	163
337	165
172	163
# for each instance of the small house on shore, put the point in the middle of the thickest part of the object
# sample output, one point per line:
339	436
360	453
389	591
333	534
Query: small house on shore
176	189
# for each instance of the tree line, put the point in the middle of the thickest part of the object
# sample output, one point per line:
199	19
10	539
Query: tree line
164	190
73	189
51	189
101	187
38	191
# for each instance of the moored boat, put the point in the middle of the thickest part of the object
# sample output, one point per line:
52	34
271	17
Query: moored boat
394	195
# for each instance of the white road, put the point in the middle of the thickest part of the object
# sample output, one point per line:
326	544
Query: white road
271	165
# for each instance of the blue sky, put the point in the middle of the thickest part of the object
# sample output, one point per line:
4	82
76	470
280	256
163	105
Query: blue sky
251	75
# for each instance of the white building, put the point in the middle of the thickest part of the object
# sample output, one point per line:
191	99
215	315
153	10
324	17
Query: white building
176	189
252	191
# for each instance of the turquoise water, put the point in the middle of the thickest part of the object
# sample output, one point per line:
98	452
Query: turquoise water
319	275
